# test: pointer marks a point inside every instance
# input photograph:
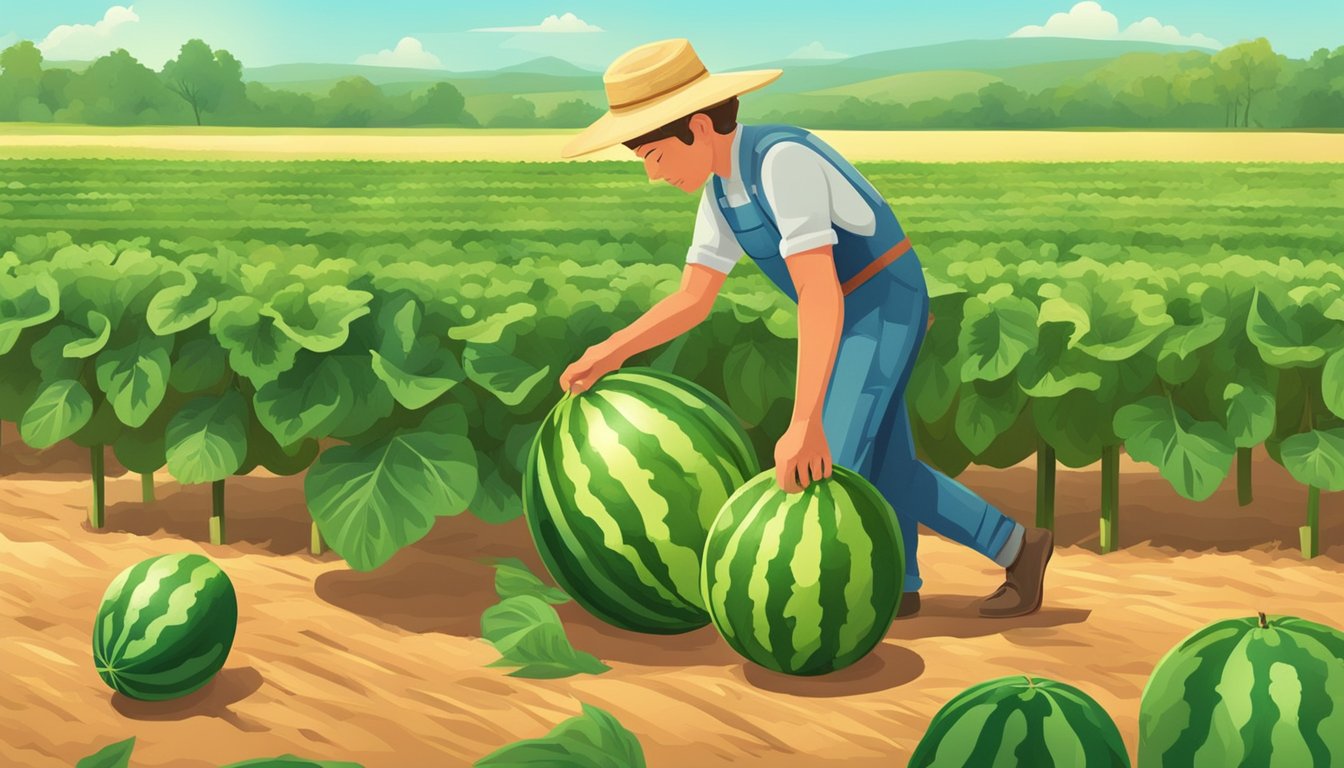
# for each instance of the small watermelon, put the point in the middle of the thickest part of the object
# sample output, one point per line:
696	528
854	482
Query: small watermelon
804	583
1021	722
1250	691
622	483
165	627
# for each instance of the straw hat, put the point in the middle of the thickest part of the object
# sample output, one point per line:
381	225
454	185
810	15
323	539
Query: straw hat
654	84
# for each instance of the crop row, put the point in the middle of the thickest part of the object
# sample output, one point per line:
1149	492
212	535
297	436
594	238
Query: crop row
434	376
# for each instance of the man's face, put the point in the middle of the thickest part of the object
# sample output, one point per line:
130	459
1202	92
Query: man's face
684	166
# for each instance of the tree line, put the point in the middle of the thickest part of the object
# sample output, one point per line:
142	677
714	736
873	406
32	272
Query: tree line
1246	85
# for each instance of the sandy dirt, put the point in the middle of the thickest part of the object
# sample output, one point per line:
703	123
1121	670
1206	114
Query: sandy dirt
387	668
913	146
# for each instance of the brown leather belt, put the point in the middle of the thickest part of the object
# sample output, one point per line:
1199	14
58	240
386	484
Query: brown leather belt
877	265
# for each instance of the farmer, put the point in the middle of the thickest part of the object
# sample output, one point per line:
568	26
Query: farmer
820	232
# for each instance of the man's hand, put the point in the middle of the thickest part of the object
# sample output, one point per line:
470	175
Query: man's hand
598	361
802	456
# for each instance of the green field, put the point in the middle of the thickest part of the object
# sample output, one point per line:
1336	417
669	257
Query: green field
214	317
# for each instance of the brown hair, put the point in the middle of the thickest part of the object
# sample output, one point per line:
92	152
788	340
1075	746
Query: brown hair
723	115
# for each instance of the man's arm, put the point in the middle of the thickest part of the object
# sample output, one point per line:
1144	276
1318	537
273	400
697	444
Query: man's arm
821	315
674	315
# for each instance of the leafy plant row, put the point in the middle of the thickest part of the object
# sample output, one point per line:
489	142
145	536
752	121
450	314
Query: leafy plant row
427	380
1121	211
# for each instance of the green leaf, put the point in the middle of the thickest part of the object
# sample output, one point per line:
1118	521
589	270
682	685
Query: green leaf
514	579
61	409
528	634
594	739
317	321
415	391
1332	383
291	761
503	375
116	755
207	439
1194	456
997	331
754	380
1250	413
987	411
48	353
371	500
26	301
201	364
1316	458
100	328
304	401
257	349
1176	359
1075	426
491	329
1051	369
933	384
496	501
372	399
1109	323
1285	342
179	307
135	377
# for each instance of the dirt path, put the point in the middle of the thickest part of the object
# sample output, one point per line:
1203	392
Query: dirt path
386	668
913	146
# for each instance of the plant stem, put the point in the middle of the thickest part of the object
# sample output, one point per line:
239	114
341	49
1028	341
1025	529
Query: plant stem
217	512
1311	532
147	487
315	543
96	512
1243	476
1110	497
1045	486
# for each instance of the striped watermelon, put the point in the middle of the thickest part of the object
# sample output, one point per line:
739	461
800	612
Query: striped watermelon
1021	722
804	583
165	627
1247	692
621	486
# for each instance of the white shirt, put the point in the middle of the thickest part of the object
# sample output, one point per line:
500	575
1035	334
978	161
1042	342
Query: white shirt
807	194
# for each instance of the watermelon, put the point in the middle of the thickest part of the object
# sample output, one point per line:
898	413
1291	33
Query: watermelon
1020	721
622	483
1251	691
165	627
804	583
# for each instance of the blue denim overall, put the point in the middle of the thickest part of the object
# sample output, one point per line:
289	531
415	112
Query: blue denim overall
864	415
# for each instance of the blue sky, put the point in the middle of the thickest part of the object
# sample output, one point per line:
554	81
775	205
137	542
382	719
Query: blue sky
727	34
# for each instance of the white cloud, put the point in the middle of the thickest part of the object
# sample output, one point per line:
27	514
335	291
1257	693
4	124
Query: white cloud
88	41
408	53
815	50
1089	20
565	23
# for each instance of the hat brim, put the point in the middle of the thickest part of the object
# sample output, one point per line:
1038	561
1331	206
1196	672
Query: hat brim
613	128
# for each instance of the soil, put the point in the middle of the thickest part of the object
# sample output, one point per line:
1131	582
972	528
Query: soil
387	668
865	146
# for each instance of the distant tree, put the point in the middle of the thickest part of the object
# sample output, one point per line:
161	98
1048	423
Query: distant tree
1247	69
517	113
118	90
574	113
279	107
203	78
20	74
352	103
443	104
51	89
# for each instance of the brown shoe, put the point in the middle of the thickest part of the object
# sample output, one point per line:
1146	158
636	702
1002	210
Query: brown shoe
909	605
1023	590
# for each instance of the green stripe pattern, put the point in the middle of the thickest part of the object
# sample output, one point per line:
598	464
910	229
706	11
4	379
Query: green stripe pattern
1021	722
1254	691
804	583
622	484
165	627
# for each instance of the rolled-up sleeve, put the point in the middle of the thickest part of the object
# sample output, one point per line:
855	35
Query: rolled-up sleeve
795	184
713	243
